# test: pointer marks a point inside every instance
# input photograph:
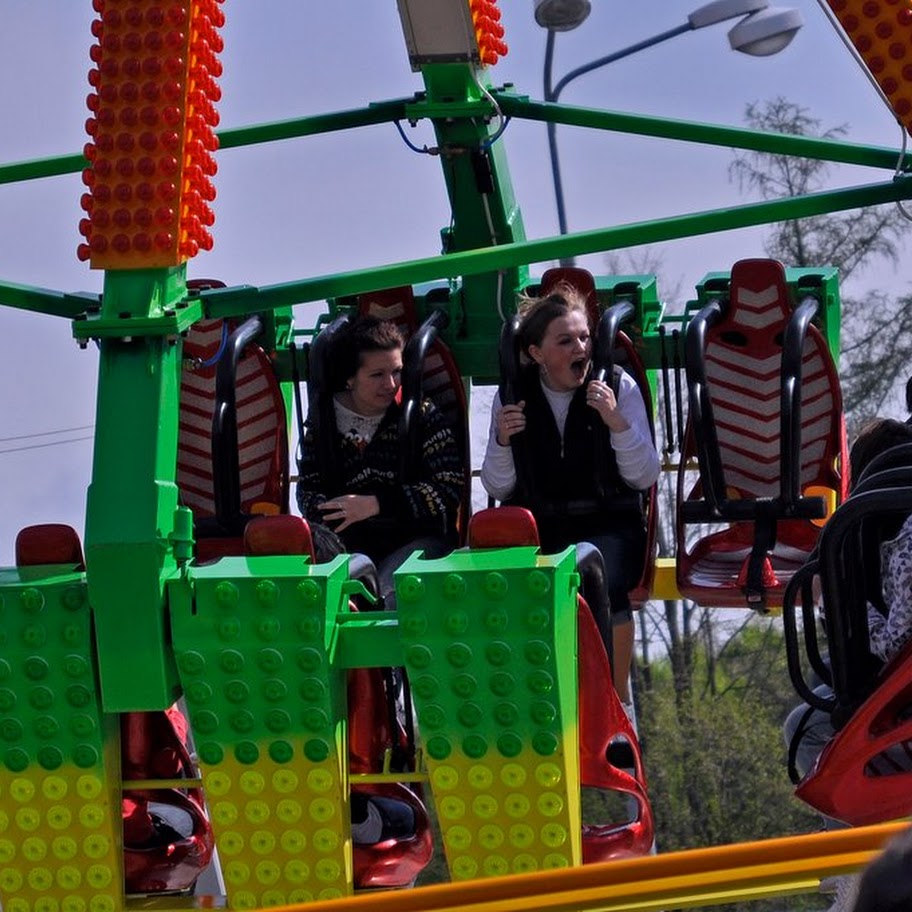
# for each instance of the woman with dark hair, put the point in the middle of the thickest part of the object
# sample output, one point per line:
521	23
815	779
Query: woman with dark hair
577	491
374	510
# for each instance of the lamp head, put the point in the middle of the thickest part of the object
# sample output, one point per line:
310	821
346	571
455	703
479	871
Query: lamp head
561	15
720	10
766	32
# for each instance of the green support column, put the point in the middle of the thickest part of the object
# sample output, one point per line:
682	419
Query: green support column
133	496
485	213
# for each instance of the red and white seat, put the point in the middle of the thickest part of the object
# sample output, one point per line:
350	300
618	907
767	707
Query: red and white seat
768	432
262	435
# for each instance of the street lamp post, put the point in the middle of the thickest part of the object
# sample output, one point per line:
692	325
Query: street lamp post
762	31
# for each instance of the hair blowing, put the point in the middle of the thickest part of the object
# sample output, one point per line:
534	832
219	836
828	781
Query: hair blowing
537	314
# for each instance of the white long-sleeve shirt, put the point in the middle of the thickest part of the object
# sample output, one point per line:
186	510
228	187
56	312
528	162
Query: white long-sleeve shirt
634	450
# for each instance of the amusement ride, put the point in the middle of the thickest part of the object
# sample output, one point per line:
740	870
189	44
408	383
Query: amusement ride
193	700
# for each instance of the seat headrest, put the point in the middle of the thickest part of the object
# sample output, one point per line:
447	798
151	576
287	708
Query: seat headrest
759	292
273	535
49	543
503	527
578	278
395	304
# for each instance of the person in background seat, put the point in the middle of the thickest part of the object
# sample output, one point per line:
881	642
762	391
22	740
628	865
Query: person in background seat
888	631
374	510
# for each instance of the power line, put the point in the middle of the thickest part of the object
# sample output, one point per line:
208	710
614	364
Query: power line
84	427
40	446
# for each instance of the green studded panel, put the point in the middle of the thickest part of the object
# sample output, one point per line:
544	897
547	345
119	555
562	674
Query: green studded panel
59	772
267	712
490	646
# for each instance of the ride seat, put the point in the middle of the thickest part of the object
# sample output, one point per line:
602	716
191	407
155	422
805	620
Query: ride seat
602	719
223	489
767	429
864	774
441	380
578	278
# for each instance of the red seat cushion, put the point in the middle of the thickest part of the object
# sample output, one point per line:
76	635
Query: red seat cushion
502	527
267	535
49	543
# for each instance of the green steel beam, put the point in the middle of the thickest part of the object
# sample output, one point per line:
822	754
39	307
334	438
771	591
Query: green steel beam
246	299
42	300
470	262
33	169
382	112
512	106
482	203
708	134
132	500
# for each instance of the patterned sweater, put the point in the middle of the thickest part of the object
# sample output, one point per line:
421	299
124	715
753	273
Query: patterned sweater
426	505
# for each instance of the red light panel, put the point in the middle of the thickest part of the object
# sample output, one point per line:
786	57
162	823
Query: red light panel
488	31
151	132
881	31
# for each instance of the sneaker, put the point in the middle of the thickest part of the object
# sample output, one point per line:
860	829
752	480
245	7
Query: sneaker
376	818
845	893
155	824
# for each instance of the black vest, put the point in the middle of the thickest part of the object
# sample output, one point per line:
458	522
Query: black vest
576	490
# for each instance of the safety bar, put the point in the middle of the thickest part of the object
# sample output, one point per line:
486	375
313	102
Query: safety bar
701	416
790	408
320	413
225	463
413	390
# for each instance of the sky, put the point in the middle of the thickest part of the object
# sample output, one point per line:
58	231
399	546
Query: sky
332	203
